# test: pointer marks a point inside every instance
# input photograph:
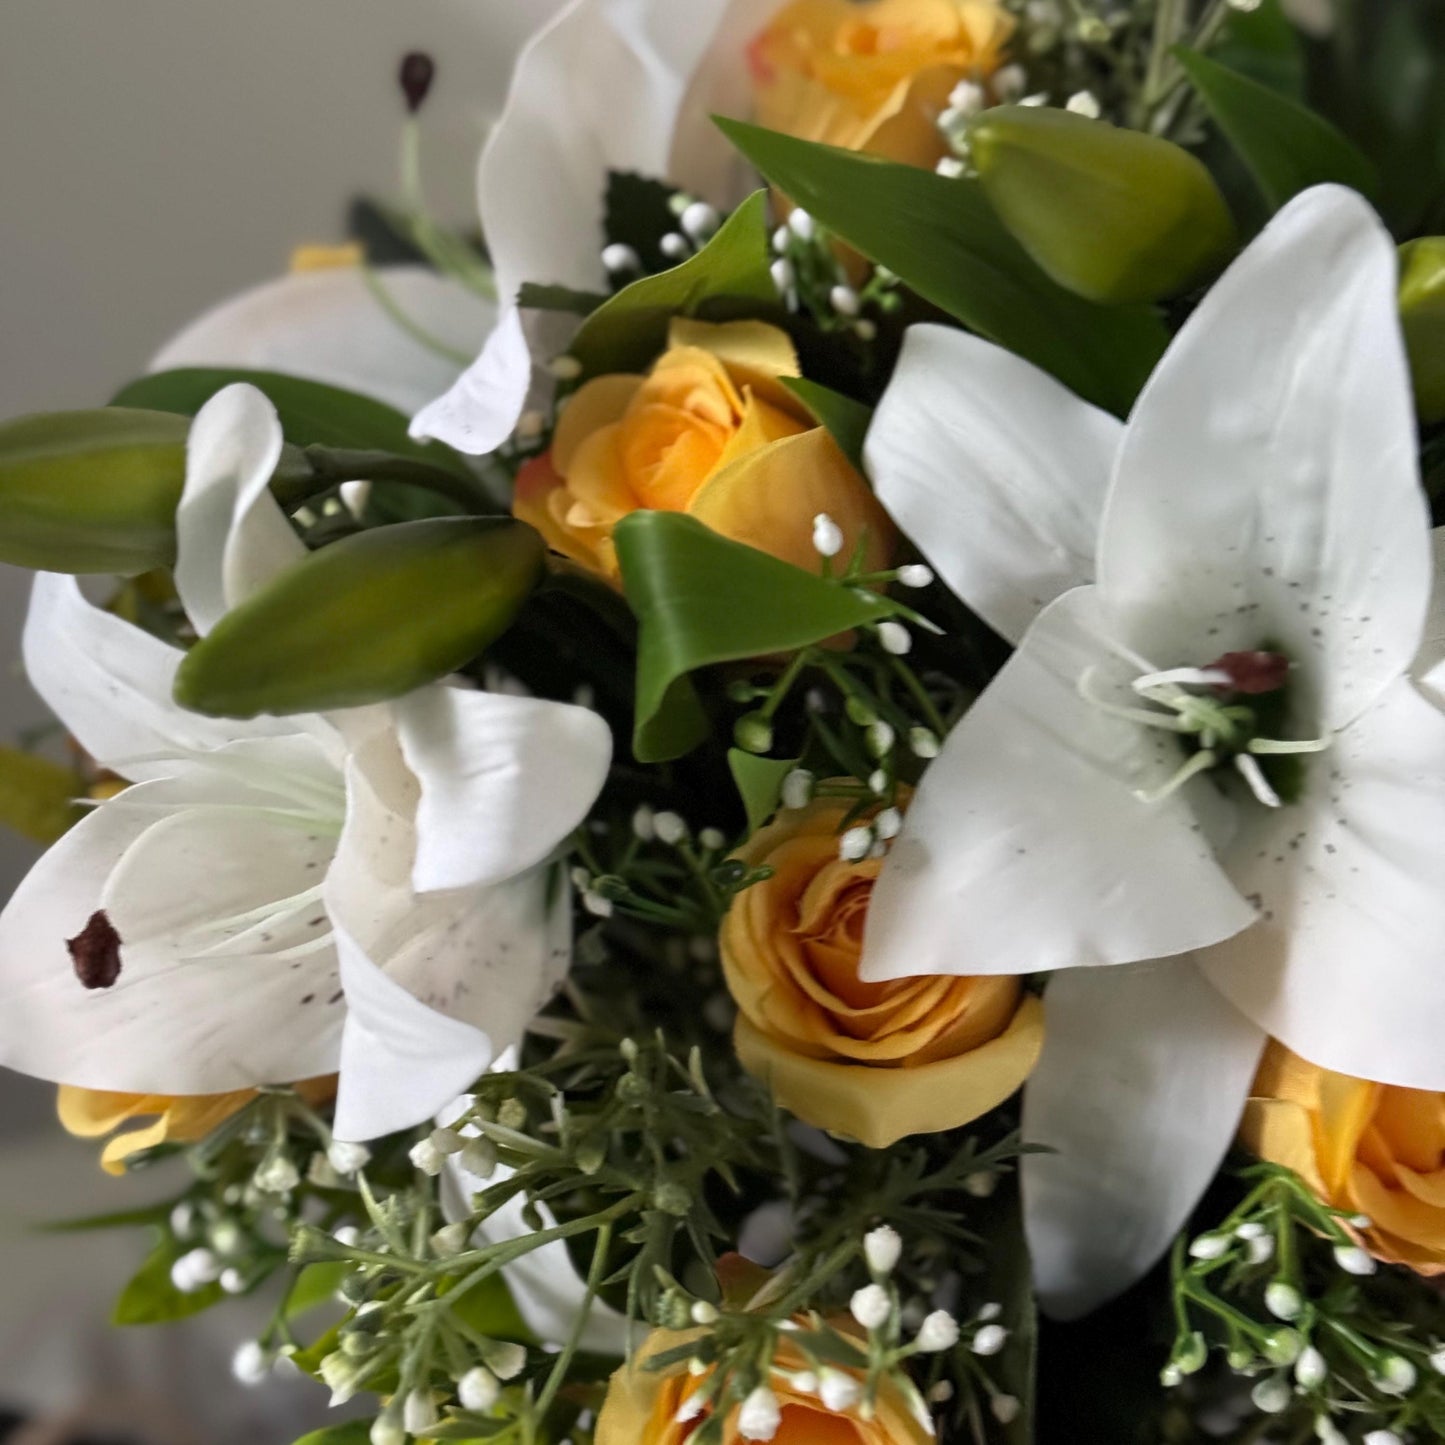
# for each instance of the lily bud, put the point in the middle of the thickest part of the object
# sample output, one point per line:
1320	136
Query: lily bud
369	618
91	491
1422	314
1112	214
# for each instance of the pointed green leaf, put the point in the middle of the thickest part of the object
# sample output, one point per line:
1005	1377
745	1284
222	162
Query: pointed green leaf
369	618
312	413
701	599
760	783
349	1432
37	797
942	238
847	420
727	279
151	1299
1286	147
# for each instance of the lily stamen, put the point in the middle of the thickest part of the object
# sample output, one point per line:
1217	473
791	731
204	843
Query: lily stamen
1200	762
1129	714
1286	746
1181	676
1250	770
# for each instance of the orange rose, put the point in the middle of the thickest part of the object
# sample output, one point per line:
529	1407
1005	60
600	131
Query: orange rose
93	1114
876	76
710	431
1372	1149
871	1061
642	1407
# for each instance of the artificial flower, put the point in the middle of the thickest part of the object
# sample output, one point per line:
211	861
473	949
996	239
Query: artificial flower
711	432
543	175
1369	1149
872	1061
176	1119
1216	608
648	1407
873	77
365	893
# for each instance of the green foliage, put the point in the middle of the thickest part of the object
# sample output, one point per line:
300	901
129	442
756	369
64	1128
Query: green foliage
151	1299
942	238
760	783
311	413
1286	147
701	599
372	617
37	797
727	279
350	1432
1422	314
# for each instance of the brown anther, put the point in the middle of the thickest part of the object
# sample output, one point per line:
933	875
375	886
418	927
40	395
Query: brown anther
418	70
1252	673
95	952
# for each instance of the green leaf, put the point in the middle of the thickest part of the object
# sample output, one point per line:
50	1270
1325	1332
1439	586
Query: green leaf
121	1219
490	1310
942	238
701	599
37	797
727	279
760	783
1264	45
846	420
533	297
1010	1281
151	1299
312	414
1287	148
349	1432
315	1286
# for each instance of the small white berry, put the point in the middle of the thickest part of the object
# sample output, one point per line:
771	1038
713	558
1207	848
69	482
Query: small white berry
855	844
1396	1376
1353	1260
618	258
671	829
250	1364
784	276
827	536
802	225
923	743
1005	1408
700	220
760	1415
703	1313
427	1157
478	1390
845	301
1283	1301
797	791
871	1306
989	1340
419	1413
675	246
1272	1395
565	368
838	1391
940	1332
1084	103
895	638
347	1159
882	1248
951	168
1310	1370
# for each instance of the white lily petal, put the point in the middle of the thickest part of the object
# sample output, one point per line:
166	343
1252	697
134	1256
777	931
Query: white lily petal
1429	666
504	780
543	176
328	326
1139	1090
996	470
545	1285
1025	847
231	535
1345	964
1268	488
474	964
110	684
197	1008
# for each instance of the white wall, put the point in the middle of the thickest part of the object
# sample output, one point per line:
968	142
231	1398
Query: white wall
156	155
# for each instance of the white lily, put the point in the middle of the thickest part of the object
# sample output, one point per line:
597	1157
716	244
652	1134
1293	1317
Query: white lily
366	891
1096	807
543	173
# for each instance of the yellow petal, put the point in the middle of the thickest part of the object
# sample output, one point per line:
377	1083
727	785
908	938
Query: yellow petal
769	498
752	352
879	1106
601	402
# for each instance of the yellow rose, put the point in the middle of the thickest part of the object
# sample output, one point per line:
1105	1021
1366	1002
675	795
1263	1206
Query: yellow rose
876	76
872	1061
1372	1149
710	431
94	1114
641	1407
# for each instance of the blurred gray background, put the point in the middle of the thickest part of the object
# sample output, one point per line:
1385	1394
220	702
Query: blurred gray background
156	156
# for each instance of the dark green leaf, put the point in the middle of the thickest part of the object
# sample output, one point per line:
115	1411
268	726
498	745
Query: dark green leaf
312	414
760	782
37	797
121	1219
1010	1282
942	238
847	420
349	1432
701	599
1287	148
727	279
151	1299
490	1310
533	297
1265	46
316	1285
638	213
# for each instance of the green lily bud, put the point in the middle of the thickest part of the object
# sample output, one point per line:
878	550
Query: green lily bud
91	491
1422	314
1112	214
369	618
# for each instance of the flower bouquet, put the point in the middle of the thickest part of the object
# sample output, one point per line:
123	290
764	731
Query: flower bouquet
838	839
